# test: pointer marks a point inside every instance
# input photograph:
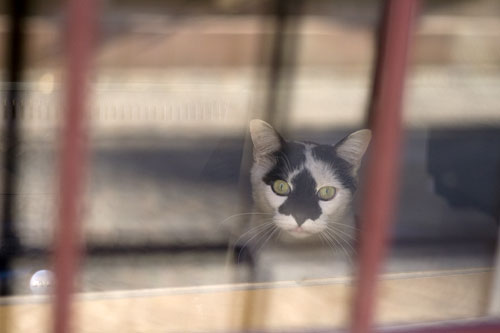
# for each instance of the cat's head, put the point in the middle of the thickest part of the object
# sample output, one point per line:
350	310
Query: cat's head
305	186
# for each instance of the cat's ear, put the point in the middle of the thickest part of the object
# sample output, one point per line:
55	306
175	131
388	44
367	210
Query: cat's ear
353	147
264	137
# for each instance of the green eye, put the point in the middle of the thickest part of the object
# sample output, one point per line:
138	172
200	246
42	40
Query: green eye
281	187
326	193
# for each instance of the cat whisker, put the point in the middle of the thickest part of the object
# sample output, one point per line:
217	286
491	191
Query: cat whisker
349	252
268	238
257	234
339	234
332	235
321	238
336	230
344	225
254	229
263	229
345	241
332	240
266	221
328	242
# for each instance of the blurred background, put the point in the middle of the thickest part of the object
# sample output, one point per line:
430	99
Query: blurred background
173	87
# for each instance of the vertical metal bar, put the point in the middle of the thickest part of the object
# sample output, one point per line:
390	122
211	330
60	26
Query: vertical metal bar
383	167
9	243
81	23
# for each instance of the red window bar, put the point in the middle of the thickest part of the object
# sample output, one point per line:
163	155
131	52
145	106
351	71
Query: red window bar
382	172
80	24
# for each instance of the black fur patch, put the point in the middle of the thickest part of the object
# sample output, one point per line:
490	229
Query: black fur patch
342	168
291	156
302	203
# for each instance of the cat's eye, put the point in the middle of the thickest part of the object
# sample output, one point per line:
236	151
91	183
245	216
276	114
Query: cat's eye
281	187
326	193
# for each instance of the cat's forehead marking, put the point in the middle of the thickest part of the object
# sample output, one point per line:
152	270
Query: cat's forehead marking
322	172
293	174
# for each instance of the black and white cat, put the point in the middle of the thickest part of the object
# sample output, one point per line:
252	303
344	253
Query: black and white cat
306	188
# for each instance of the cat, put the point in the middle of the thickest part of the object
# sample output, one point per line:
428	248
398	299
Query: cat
305	188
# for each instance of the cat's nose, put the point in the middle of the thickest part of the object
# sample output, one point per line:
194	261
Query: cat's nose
300	218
